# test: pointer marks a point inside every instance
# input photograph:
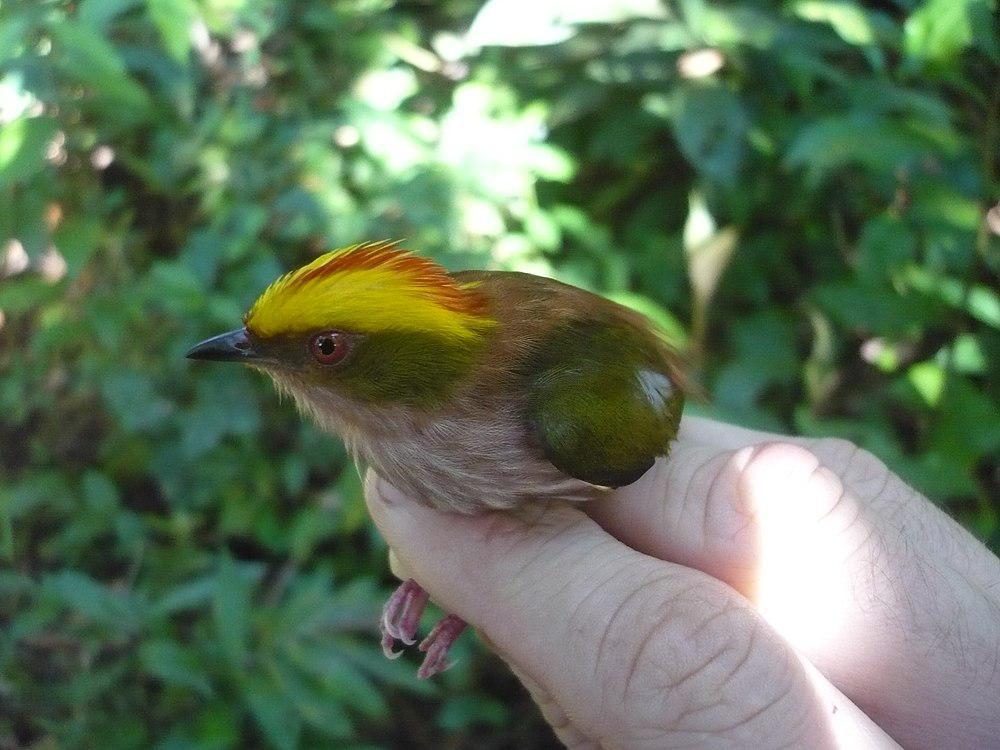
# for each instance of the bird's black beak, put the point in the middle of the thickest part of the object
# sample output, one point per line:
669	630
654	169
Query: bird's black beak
235	346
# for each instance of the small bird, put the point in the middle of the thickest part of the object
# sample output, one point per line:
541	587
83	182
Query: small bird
467	391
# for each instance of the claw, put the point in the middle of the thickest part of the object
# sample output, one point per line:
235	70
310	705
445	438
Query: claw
436	646
400	620
388	643
401	616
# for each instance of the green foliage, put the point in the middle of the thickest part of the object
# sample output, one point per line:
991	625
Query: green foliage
184	563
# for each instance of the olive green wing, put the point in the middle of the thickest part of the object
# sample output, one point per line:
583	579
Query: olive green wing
601	401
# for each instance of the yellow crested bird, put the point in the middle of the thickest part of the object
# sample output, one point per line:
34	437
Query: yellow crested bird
467	391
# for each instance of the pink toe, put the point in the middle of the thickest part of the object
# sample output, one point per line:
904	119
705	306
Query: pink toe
437	643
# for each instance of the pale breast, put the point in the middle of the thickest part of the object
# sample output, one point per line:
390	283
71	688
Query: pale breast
468	464
476	457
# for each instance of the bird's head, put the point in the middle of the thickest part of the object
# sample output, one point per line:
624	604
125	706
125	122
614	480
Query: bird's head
359	328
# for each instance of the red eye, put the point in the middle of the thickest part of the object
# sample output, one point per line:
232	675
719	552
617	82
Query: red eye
329	347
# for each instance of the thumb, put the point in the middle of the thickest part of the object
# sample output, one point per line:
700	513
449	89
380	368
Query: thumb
635	651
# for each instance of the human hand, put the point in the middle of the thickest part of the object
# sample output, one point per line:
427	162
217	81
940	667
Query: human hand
750	591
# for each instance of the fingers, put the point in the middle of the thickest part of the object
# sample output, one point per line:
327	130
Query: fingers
622	649
888	597
553	713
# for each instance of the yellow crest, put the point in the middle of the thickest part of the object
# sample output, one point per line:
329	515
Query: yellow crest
372	287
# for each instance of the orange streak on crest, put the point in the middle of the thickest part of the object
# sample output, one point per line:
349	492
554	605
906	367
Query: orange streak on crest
388	255
368	287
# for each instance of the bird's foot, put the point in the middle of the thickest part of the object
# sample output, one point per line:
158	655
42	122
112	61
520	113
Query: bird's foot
400	620
435	646
401	617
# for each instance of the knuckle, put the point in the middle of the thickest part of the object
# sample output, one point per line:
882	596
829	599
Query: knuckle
609	611
689	474
667	649
866	474
715	639
728	679
836	453
721	519
863	472
781	453
683	658
865	477
793	477
774	469
706	512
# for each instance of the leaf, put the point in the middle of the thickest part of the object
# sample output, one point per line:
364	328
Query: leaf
310	526
710	126
307	605
736	391
231	608
343	680
274	713
224	405
463	711
928	379
194	594
113	609
133	400
966	421
175	665
40	492
173	19
20	295
22	148
83	55
6	529
820	372
847	19
513	23
315	705
940	29
217	726
733	25
99	493
872	308
933	472
177	287
14	584
766	343
978	300
886	245
99	13
827	144
398	673
965	354
77	238
939	203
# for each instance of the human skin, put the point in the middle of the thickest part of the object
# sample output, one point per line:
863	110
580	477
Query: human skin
751	590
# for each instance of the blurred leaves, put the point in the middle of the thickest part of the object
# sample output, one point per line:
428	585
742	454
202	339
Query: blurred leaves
939	29
710	127
795	192
23	144
174	665
85	56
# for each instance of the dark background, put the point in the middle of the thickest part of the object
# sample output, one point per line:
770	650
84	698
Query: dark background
798	192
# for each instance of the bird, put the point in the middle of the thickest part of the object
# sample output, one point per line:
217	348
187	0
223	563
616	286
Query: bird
468	391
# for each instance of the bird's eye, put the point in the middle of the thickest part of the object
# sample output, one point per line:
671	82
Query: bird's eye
329	347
